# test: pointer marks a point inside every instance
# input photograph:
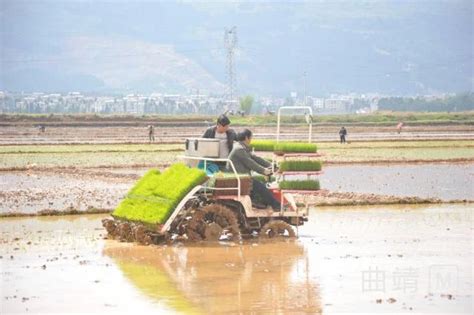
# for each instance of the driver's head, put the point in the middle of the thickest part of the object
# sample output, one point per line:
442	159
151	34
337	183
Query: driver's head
245	136
223	123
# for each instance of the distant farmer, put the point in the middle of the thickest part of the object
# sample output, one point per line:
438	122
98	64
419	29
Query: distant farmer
151	133
245	161
225	135
343	134
399	127
41	128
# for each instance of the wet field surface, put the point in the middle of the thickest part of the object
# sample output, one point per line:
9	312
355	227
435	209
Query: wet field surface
32	191
406	259
373	259
57	134
444	181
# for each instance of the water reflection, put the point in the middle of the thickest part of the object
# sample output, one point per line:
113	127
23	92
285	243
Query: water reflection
265	277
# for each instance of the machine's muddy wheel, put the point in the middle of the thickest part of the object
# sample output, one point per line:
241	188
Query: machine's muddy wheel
179	226
277	228
213	222
110	226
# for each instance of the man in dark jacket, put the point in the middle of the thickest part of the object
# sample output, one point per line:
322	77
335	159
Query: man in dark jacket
245	161
222	132
343	134
225	135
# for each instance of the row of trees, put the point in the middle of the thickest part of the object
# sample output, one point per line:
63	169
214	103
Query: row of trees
459	102
246	104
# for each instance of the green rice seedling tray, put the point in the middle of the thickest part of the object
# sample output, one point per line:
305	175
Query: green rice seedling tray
300	166
283	147
294	147
310	184
156	195
263	145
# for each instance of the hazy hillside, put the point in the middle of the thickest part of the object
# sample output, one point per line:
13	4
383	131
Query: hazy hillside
391	47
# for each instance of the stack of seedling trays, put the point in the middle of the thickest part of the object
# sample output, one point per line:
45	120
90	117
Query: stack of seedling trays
297	160
156	195
153	201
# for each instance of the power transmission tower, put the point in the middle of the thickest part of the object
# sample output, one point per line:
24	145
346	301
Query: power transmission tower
304	78
230	42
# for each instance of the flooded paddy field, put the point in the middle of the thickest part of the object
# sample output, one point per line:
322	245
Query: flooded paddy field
82	189
378	259
373	259
444	181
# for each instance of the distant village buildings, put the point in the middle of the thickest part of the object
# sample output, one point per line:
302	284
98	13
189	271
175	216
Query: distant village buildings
172	104
136	104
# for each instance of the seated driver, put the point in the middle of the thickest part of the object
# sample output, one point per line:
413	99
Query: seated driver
245	161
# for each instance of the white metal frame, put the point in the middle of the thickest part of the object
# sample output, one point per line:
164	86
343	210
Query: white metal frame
180	206
293	108
190	194
310	133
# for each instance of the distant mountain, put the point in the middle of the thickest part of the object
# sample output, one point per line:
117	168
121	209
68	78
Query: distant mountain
392	47
95	63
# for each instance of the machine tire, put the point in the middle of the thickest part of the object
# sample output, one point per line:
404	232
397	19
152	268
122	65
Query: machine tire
205	224
277	228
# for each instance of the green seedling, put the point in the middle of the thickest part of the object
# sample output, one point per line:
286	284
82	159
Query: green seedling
300	166
295	147
300	184
155	195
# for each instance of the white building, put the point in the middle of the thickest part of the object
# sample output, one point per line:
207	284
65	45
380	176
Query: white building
336	104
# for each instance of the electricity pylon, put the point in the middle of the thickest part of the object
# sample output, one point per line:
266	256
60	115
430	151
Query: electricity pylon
230	42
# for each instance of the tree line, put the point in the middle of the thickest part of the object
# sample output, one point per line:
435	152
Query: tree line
456	103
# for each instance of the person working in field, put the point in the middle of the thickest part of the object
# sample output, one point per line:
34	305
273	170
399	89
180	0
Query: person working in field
245	161
343	134
151	133
225	135
399	127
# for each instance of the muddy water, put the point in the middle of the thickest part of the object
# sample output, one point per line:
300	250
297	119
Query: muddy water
392	259
56	265
370	259
443	181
